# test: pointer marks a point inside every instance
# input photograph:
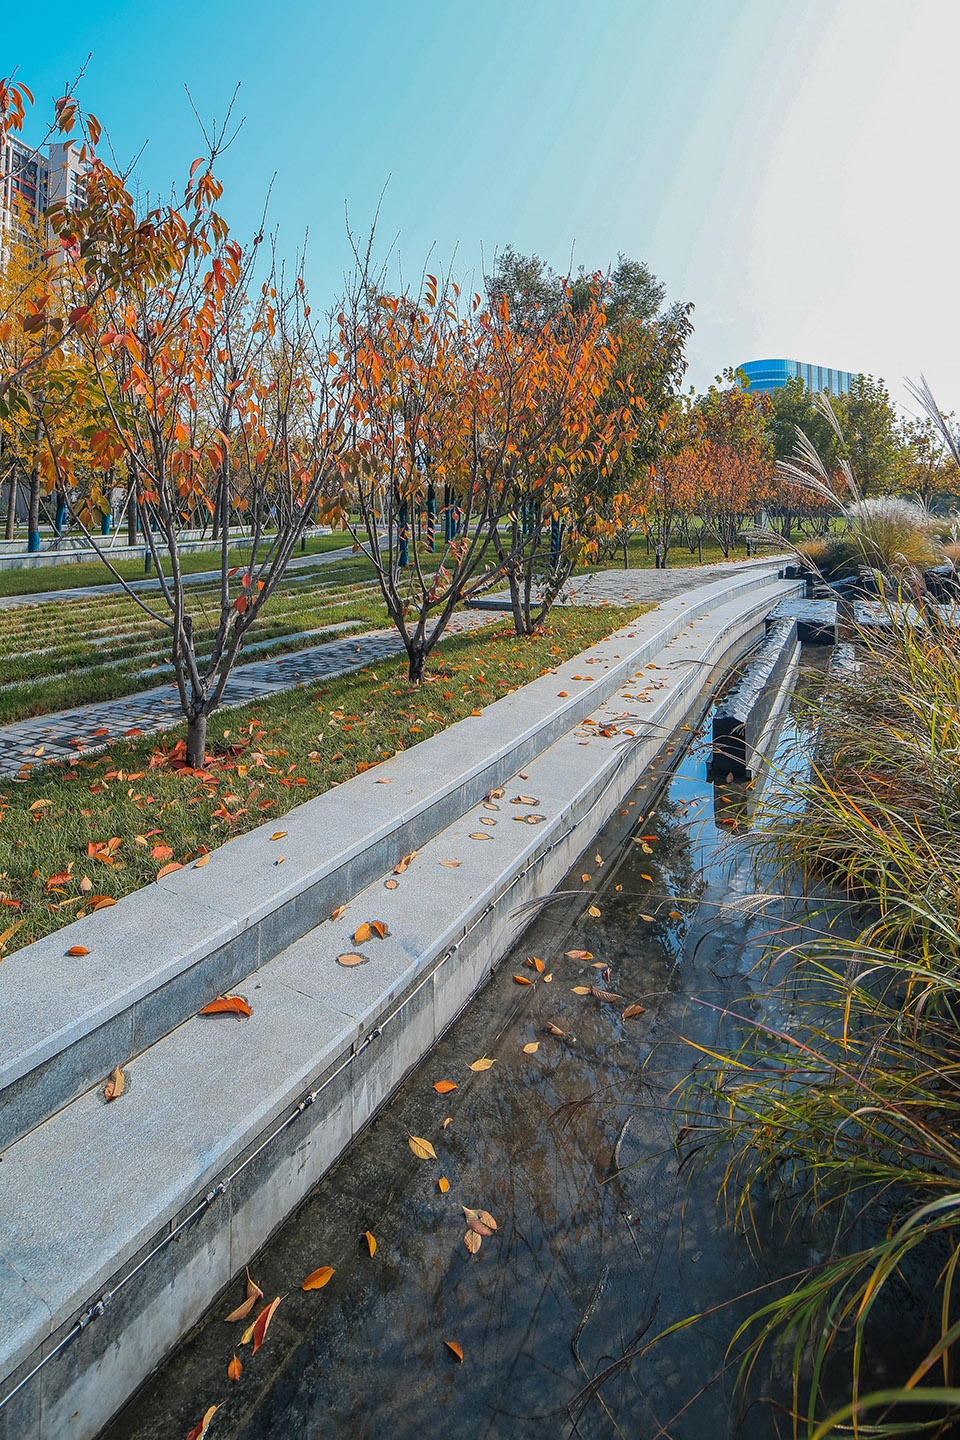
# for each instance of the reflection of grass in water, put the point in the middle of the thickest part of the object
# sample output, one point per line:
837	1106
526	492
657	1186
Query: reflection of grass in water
850	1113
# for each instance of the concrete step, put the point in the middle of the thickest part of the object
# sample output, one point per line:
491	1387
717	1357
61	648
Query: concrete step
225	1124
159	955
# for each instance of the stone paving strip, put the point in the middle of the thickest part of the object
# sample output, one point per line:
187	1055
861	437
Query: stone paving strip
231	1124
58	735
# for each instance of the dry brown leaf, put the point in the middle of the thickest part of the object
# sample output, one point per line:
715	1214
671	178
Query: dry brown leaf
335	914
403	863
555	1029
254	1293
421	1148
675	914
234	1369
480	1221
594	911
495	794
200	1430
522	980
167	869
485	820
532	1048
443	1184
390	884
482	1064
632	1010
227	1005
455	1349
443	1087
278	835
78	950
448	1121
488	806
452	864
650	919
581	989
524	800
604	994
262	1322
371	1242
472	1241
198	865
318	1278
547	979
115	1085
479	835
103	902
362	932
530	819
86	884
351	958
579	955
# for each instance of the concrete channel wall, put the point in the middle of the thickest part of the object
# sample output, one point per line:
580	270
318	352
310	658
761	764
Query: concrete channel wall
119	1224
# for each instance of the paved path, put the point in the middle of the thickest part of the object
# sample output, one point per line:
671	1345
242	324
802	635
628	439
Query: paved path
36	741
86	592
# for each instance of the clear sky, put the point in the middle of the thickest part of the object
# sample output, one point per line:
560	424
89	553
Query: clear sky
788	165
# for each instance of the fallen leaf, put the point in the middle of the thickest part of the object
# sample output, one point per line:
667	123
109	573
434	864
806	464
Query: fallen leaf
199	1431
485	820
448	1121
362	932
581	989
532	1048
555	1029
443	1087
101	902
479	835
115	1085
402	864
421	1148
524	800
198	865
378	928
579	955
86	885
443	1184
585	878
262	1322
522	980
594	911
278	835
78	950
161	852
675	914
351	958
452	864
39	805
603	994
234	1369
495	794
169	869
455	1349
318	1278
650	919
227	1005
530	819
371	1242
482	1064
390	884
472	1241
547	979
481	1222
646	877
632	1010
254	1293
536	963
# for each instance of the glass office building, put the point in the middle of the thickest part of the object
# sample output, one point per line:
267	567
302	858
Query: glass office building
767	375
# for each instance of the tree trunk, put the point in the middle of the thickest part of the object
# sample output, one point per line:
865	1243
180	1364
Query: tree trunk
11	504
33	520
417	657
197	741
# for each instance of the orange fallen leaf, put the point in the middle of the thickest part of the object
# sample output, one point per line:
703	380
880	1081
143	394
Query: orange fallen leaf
351	958
262	1322
234	1369
278	835
402	864
168	869
254	1293
586	878
227	1005
390	884
335	914
318	1278
524	800
594	911
579	955
78	950
675	914
421	1148
448	1121
479	835
472	1241
455	1349
198	865
482	1064
632	1010
536	963
647	877
161	852
443	1087
115	1085
101	902
378	928
200	1430
443	1184
522	980
371	1242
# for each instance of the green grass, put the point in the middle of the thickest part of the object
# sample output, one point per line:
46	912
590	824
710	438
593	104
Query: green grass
38	579
264	759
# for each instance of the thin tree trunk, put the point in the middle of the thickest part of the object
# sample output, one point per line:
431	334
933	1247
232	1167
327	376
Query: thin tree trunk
196	741
33	519
11	504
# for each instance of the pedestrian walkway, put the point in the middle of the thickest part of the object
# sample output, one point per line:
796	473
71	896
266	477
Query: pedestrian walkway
57	736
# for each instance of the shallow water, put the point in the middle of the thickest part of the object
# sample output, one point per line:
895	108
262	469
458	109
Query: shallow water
600	1244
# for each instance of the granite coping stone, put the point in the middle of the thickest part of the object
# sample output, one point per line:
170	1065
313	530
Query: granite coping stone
83	1192
332	845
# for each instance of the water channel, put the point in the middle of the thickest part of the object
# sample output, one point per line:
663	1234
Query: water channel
600	1242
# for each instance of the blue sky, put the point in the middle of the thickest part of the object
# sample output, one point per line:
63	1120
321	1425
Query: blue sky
786	166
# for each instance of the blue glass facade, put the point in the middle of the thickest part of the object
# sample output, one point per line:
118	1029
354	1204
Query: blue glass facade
766	375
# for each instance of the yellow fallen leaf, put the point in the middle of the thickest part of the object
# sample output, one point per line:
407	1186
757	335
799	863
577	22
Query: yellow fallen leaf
448	1121
594	911
482	1064
479	835
278	835
452	864
115	1085
318	1278
254	1293
198	865
532	1048
472	1241
421	1148
581	989
443	1184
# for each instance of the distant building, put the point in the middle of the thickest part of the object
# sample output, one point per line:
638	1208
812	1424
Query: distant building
31	180
767	375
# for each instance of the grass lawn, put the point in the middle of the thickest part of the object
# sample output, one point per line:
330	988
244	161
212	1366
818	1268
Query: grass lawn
264	759
34	579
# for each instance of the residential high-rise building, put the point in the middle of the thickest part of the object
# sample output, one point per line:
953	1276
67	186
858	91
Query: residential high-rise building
767	375
30	180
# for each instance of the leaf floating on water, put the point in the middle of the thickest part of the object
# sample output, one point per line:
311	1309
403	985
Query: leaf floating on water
318	1278
115	1085
421	1148
448	1121
650	919
472	1241
455	1349
481	1222
262	1322
604	994
579	955
532	1048
555	1029
254	1293
522	980
443	1184
234	1369
581	989
675	914
482	1064
200	1430
227	1005
352	958
646	877
443	1087
547	979
594	911
633	1010
371	1242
